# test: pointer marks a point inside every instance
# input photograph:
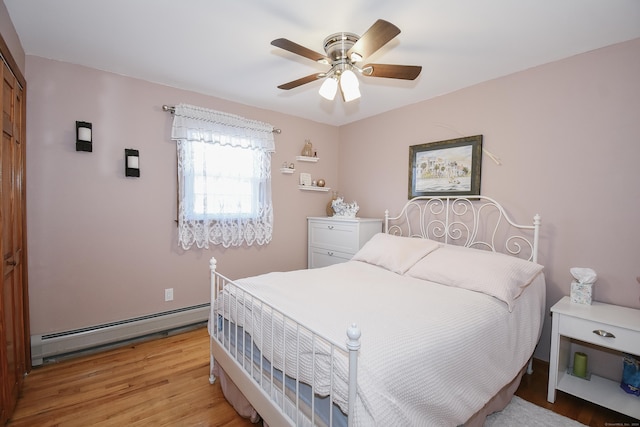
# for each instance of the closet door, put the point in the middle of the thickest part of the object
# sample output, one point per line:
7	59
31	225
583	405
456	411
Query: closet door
12	327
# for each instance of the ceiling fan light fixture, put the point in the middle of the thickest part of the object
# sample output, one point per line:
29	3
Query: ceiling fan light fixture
343	51
329	88
349	85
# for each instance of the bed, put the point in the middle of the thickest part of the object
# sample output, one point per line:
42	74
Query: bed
432	322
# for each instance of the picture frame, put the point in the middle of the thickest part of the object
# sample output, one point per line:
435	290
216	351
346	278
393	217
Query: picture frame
446	168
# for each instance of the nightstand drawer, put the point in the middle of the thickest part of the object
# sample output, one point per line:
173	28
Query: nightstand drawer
582	329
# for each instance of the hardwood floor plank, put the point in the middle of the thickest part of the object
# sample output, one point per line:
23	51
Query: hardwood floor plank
160	382
165	382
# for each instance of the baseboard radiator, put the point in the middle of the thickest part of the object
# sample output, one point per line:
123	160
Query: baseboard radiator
55	344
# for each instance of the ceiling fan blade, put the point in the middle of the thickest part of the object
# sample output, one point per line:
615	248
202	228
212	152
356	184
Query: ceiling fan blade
300	50
379	34
405	72
301	81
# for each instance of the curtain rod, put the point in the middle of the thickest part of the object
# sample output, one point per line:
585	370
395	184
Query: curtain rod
172	110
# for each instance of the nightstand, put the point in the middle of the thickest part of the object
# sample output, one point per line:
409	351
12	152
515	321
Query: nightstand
600	324
334	240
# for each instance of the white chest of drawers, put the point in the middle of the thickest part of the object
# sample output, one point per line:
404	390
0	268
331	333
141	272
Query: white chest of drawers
599	324
333	240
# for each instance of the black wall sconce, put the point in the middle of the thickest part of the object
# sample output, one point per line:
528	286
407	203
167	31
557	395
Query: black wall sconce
131	165
84	136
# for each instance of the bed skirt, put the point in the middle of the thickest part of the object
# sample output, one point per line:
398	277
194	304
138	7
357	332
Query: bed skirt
234	396
497	402
245	410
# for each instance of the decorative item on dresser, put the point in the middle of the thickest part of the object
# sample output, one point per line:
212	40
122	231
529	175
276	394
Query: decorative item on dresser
343	209
280	336
599	325
330	210
334	240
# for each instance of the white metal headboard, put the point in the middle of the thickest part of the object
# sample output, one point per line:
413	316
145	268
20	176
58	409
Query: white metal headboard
472	221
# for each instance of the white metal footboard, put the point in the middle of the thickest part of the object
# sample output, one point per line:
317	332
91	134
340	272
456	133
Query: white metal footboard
289	373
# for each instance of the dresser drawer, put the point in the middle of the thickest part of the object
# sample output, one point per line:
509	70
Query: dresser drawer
341	237
624	340
332	240
319	257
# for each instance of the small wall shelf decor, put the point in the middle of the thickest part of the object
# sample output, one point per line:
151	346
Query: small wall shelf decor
307	159
305	179
287	170
307	150
313	188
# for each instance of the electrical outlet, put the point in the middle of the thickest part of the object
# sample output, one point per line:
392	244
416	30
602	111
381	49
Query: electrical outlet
168	294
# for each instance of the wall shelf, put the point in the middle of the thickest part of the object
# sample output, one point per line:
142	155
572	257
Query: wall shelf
287	170
313	188
307	159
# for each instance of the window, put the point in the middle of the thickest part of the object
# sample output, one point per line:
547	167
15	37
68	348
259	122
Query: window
223	183
224	178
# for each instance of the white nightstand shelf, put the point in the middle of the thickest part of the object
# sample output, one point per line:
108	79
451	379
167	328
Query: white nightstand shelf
602	391
578	322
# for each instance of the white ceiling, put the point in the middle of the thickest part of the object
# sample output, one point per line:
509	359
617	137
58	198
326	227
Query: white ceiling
222	48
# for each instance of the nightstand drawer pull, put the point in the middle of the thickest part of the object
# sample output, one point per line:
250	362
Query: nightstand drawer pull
330	253
330	227
604	333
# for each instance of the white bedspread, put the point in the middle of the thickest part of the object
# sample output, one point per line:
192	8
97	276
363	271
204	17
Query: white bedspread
431	354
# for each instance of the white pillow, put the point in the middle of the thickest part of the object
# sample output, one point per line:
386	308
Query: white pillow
499	275
395	253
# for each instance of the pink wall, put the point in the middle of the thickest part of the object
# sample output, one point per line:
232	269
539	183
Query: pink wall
103	247
568	137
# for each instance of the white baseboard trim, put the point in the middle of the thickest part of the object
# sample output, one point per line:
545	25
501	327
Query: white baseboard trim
47	345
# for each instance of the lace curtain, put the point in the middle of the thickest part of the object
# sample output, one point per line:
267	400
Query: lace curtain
224	178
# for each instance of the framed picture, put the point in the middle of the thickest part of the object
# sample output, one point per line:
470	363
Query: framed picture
446	168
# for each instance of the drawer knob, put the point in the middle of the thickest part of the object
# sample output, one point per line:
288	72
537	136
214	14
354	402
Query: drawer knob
604	333
330	253
330	227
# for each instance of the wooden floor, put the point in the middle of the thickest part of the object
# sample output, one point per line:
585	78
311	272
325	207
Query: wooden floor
164	382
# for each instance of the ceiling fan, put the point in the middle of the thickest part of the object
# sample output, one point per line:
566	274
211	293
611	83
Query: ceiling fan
343	52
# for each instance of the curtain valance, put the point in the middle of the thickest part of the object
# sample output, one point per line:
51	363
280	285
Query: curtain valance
193	123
